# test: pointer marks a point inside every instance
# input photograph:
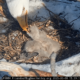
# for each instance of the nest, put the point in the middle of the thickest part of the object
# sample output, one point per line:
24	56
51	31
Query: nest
12	43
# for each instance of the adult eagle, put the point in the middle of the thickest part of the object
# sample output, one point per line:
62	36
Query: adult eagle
19	10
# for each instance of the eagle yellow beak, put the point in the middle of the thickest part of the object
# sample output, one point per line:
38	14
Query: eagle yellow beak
23	21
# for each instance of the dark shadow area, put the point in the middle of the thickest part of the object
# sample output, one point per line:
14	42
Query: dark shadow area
4	74
68	36
34	72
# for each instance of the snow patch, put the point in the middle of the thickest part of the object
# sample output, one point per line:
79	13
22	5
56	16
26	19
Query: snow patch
69	8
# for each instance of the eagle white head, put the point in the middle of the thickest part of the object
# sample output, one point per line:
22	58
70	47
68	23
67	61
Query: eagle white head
19	10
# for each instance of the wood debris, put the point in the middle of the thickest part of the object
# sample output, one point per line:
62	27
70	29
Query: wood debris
16	70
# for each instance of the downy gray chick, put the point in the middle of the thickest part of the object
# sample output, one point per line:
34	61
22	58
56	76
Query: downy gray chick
41	37
41	43
35	46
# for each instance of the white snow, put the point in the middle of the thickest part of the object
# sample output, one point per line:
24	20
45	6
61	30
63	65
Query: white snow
3	60
26	67
36	9
69	8
44	67
65	67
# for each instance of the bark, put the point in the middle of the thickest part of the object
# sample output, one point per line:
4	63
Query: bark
16	70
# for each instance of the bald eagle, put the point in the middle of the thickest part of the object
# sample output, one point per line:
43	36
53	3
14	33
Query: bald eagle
19	10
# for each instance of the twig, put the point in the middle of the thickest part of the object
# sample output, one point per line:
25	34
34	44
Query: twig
74	20
56	16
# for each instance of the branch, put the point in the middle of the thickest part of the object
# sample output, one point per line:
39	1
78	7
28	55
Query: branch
16	70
